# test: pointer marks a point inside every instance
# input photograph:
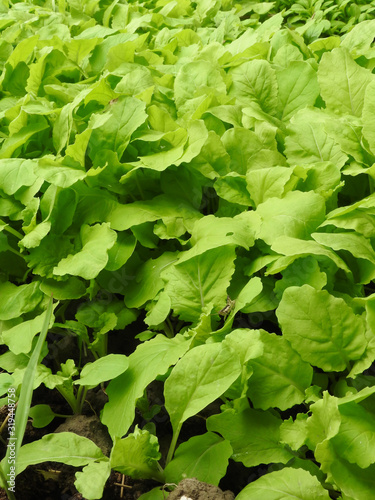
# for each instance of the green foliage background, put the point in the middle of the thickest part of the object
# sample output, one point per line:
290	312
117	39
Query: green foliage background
157	157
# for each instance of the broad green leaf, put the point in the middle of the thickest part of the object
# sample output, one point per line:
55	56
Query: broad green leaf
302	271
293	248
203	457
148	282
15	173
280	377
255	81
359	39
324	423
91	481
347	132
343	82
268	183
247	149
293	432
103	369
353	481
123	217
356	435
126	115
212	232
356	244
253	434
20	138
200	377
285	484
368	115
322	328
19	338
93	257
72	288
121	251
296	215
298	88
59	172
232	187
42	415
197	78
64	447
137	456
308	142
18	300
149	360
201	280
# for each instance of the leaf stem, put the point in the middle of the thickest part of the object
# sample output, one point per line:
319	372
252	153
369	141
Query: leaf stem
13	231
173	444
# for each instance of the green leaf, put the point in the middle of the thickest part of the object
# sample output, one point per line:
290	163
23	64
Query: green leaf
18	300
308	142
203	457
197	78
137	456
65	447
123	217
59	172
255	81
280	377
42	415
19	338
149	360
267	183
93	257
121	251
72	288
353	481
201	376
148	282
253	434
126	115
285	484
201	280
293	248
91	481
356	435
15	173
296	215
102	369
343	82
368	115
322	328
298	88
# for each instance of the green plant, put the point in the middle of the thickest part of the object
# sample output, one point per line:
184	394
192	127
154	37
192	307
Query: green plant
158	158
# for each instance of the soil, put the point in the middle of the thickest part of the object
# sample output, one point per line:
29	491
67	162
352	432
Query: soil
192	489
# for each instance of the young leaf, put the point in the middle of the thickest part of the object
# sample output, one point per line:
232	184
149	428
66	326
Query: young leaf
280	377
137	456
149	360
322	328
253	434
202	375
343	82
284	484
105	368
91	481
203	457
196	282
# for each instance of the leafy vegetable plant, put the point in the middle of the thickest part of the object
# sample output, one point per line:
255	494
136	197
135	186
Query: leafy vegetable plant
194	184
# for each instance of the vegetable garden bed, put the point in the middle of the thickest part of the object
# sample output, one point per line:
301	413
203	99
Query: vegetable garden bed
187	253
